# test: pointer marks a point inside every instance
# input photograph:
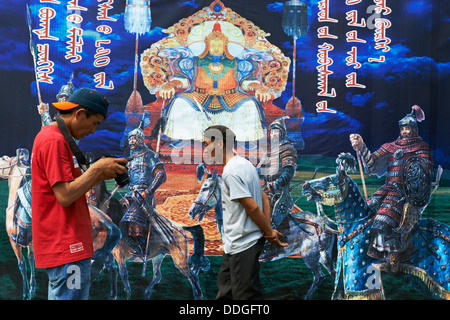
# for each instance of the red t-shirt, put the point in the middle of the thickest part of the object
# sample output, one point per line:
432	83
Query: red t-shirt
60	235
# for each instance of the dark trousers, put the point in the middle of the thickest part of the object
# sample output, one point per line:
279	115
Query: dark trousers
238	277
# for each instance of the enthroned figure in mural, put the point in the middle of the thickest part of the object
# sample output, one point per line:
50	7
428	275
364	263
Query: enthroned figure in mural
215	88
214	68
408	164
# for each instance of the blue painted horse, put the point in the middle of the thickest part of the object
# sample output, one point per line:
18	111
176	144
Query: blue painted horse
358	275
305	232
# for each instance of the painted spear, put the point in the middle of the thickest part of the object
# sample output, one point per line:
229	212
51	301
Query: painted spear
33	51
295	24
361	171
137	21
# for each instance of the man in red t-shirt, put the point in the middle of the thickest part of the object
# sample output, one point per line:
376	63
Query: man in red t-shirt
61	225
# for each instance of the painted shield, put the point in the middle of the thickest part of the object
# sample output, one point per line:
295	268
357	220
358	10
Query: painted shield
282	207
417	182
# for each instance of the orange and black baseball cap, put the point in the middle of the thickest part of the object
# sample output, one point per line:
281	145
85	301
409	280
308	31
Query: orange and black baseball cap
86	98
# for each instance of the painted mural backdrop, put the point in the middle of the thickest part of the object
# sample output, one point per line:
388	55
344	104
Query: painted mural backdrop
316	71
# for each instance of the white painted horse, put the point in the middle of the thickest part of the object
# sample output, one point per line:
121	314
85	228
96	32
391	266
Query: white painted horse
11	169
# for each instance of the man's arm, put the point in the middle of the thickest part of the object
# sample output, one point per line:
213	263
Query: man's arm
67	193
258	216
266	207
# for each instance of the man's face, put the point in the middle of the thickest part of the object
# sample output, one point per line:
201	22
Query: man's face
213	151
216	47
405	132
84	126
209	150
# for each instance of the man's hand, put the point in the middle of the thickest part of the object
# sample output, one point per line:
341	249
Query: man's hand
258	216
273	237
109	168
67	192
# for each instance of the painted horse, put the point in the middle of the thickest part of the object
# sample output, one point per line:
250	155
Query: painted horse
105	234
157	248
303	231
358	275
14	169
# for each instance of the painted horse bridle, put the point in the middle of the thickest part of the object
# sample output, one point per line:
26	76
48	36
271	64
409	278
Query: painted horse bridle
213	193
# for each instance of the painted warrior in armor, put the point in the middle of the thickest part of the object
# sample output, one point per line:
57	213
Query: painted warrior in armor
408	165
63	95
147	173
23	205
277	169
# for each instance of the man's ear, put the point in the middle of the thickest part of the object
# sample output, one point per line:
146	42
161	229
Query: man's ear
80	112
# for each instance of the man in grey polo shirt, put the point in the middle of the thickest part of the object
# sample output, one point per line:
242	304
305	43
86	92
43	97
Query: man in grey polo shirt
246	218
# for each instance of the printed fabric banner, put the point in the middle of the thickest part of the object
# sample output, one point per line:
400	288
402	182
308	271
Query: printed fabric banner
340	105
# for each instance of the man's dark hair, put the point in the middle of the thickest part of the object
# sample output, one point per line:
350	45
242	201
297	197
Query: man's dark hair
227	135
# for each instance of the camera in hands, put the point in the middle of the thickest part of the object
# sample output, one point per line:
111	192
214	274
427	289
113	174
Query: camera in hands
122	179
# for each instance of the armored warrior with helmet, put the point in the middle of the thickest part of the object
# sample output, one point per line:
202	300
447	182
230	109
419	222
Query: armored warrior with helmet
64	94
277	169
408	165
147	173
